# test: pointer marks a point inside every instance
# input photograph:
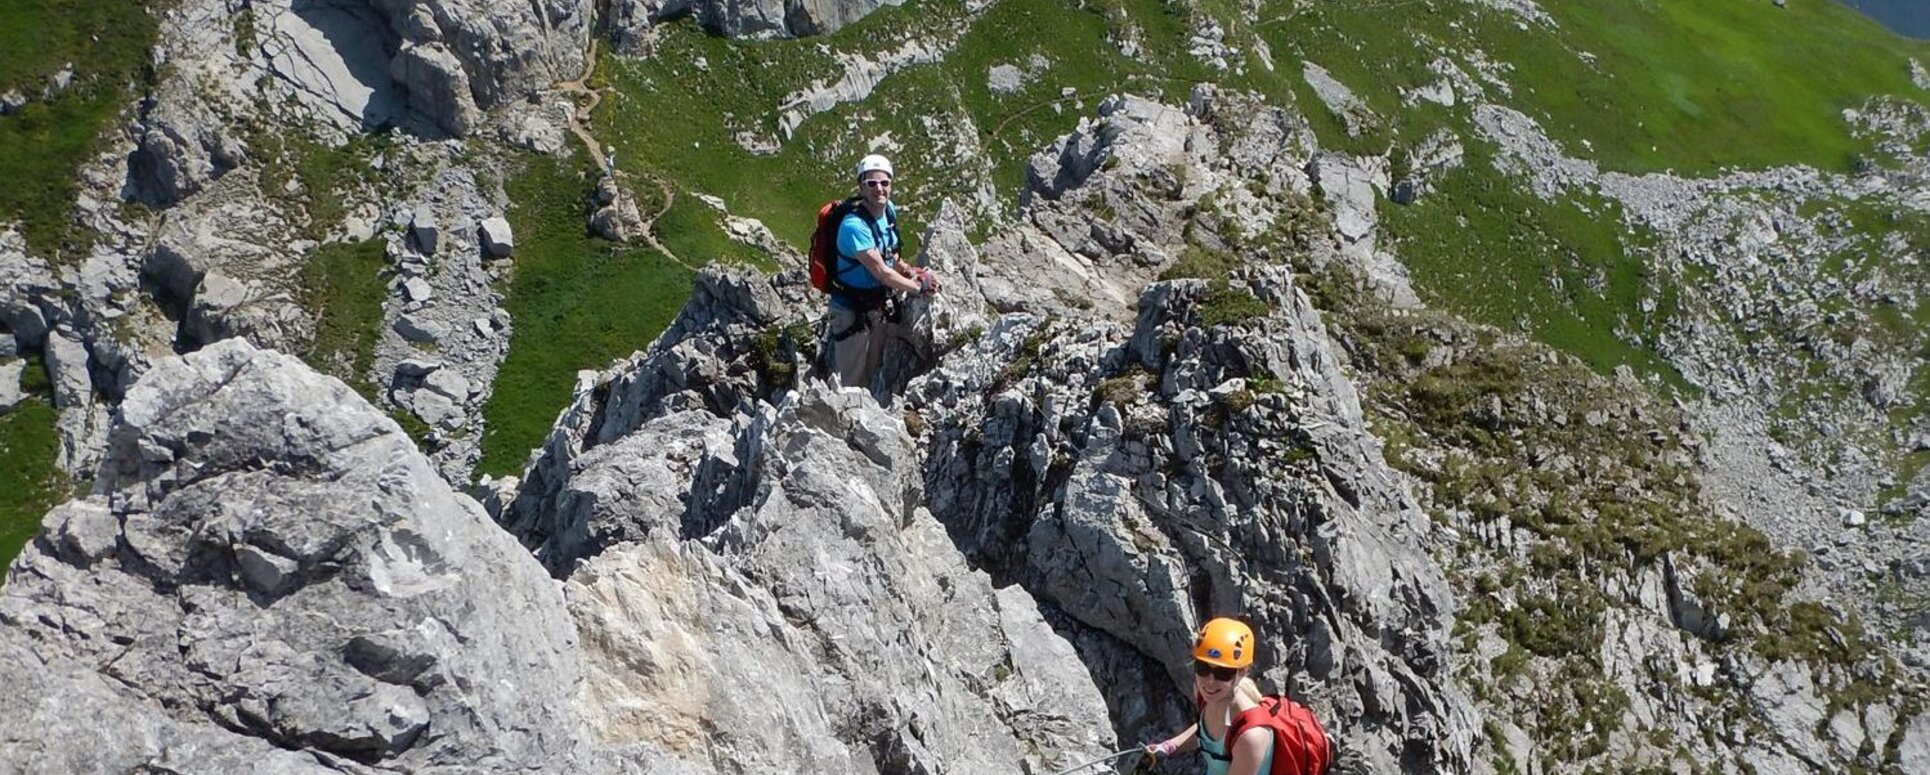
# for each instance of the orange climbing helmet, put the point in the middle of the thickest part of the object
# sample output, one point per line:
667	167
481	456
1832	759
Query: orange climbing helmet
1225	642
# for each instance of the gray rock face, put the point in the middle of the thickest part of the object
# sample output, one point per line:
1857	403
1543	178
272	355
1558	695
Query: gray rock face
213	263
181	142
632	20
25	283
270	578
1339	99
706	637
1106	207
332	56
343	68
268	573
1140	481
1130	516
437	86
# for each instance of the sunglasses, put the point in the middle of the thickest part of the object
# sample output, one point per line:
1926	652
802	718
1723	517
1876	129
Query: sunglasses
1221	674
877	184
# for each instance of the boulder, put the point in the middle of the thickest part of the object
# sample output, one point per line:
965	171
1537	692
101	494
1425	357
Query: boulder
417	290
419	330
449	383
11	393
67	363
25	282
265	548
497	241
423	228
1339	99
435	409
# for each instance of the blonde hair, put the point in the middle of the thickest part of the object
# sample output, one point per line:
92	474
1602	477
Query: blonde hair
1249	689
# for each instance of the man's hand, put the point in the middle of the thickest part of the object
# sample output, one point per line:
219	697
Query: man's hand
927	282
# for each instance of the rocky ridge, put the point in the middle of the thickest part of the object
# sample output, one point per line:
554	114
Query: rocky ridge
1335	553
269	573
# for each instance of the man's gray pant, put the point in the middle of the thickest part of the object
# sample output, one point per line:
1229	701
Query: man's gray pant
856	347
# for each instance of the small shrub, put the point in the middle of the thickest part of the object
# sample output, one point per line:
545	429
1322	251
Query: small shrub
1199	263
1223	305
1122	390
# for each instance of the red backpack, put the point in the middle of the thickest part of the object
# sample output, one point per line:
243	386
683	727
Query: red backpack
1300	745
824	245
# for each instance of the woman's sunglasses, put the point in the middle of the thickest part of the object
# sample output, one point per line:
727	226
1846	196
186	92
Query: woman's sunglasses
877	184
1221	674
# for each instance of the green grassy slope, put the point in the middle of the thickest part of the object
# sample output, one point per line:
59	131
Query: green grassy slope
1692	87
42	146
1672	84
30	484
577	302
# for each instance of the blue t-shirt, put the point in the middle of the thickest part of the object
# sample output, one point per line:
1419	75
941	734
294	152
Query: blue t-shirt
854	237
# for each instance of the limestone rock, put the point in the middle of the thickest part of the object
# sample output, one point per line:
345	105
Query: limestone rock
497	241
1339	99
631	20
1004	79
1092	509
1144	165
416	289
1098	507
331	607
225	262
10	393
182	144
332	59
25	283
616	217
1350	187
690	640
437	86
420	331
424	229
67	363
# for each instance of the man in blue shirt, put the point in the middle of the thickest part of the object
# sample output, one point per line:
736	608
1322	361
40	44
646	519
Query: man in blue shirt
869	274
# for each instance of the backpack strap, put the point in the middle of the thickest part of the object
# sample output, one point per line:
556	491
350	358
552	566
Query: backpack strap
861	299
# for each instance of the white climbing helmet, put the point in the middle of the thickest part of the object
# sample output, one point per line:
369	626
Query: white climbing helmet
874	163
